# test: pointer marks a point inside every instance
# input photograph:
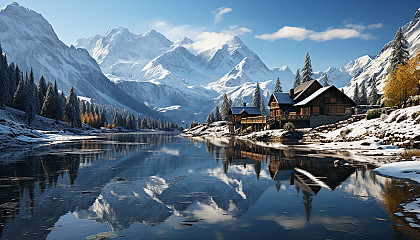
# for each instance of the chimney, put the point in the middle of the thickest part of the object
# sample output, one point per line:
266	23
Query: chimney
244	104
292	93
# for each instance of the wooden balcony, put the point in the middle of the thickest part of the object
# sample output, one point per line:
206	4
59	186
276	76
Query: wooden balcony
291	117
254	120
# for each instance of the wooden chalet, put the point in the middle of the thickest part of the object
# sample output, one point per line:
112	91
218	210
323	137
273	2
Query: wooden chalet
309	105
238	114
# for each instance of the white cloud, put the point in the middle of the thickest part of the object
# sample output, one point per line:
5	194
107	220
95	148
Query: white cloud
203	39
341	33
300	33
295	33
207	40
218	13
361	27
375	26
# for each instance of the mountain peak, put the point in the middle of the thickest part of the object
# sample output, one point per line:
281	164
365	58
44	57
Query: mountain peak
117	30
417	14
16	9
152	32
12	5
235	40
183	41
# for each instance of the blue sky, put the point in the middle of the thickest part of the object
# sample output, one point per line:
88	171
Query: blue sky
280	32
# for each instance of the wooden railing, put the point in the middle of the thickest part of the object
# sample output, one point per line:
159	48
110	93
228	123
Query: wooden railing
251	120
265	119
291	117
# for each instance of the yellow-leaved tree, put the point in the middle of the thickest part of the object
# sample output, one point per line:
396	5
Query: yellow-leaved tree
403	83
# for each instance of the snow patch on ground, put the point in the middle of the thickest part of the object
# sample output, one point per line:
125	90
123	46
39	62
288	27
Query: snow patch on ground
408	170
14	132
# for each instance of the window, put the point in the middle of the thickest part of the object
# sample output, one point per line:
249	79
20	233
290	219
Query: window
333	100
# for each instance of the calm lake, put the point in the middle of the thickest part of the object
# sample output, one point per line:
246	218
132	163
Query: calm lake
161	186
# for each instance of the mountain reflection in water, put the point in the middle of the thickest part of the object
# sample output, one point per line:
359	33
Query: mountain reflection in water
158	184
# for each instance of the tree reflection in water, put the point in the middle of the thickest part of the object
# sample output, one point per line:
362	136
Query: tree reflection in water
42	186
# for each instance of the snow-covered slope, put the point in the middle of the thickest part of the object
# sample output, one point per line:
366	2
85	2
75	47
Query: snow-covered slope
341	76
30	41
177	82
380	64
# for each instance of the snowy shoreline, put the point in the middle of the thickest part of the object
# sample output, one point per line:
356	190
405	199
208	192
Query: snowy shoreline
379	141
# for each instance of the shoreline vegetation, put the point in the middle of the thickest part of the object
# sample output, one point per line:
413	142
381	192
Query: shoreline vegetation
15	133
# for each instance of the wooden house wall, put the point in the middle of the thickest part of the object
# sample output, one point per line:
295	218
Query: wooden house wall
281	109
331	102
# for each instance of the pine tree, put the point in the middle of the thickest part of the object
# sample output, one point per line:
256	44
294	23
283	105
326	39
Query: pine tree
297	79
226	105
262	108
42	92
403	83
103	119
31	100
307	69
5	97
130	122
145	123
58	109
373	95
19	97
115	122
48	106
18	77
363	94
210	119
356	95
277	88
82	107
138	121
71	110
217	115
63	101
10	73
399	54
256	102
326	81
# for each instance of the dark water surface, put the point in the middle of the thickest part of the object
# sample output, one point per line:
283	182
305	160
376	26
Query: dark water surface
160	186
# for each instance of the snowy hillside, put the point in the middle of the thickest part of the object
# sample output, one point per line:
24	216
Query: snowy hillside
30	41
380	64
341	76
176	82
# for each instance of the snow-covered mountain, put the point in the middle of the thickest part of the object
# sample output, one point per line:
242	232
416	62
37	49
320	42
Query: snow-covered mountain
178	83
30	41
341	76
380	64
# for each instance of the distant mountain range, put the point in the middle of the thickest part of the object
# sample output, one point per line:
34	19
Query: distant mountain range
29	40
147	72
178	83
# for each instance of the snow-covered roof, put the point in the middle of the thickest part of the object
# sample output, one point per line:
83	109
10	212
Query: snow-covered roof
249	110
283	98
313	96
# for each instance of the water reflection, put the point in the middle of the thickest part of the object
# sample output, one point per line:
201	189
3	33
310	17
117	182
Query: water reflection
163	182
